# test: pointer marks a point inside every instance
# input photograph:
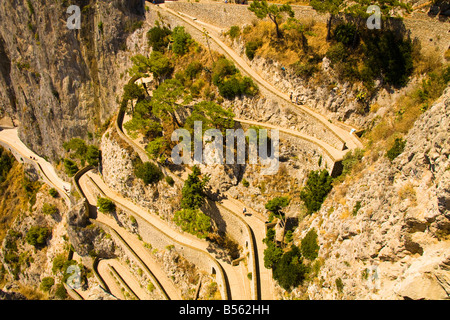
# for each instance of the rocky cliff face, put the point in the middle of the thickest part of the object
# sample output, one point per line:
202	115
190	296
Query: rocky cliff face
397	244
61	83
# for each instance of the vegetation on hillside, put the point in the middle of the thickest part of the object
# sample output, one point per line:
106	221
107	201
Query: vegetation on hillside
190	218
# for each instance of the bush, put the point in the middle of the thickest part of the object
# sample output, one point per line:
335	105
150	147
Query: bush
6	162
193	192
351	158
309	246
193	69
345	33
61	292
37	236
276	205
53	193
251	47
92	155
234	32
70	167
396	149
290	270
47	283
158	38
245	183
181	40
156	147
49	209
170	181
317	188
193	221
148	172
105	205
272	254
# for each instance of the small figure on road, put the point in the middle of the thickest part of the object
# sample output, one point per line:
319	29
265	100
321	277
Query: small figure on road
291	96
244	211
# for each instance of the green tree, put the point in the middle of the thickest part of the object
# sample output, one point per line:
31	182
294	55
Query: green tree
37	236
160	65
105	205
61	292
47	283
211	115
275	12
397	149
193	221
194	190
290	270
70	167
77	145
181	40
166	99
316	189
53	193
276	206
6	163
156	147
158	37
132	91
49	209
148	172
92	155
309	246
272	255
141	66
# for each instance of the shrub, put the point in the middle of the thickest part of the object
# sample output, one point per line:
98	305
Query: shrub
61	292
397	149
47	283
345	33
105	205
158	38
37	236
193	192
339	284
317	188
351	158
53	193
234	32
49	209
92	155
148	172
290	270
272	254
277	204
251	47
193	69
156	147
181	40
70	167
356	208
309	246
245	183
170	181
193	221
6	162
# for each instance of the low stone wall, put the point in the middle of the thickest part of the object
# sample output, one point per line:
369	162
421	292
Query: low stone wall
227	15
431	32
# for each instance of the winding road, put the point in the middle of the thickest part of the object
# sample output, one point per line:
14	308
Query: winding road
92	184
